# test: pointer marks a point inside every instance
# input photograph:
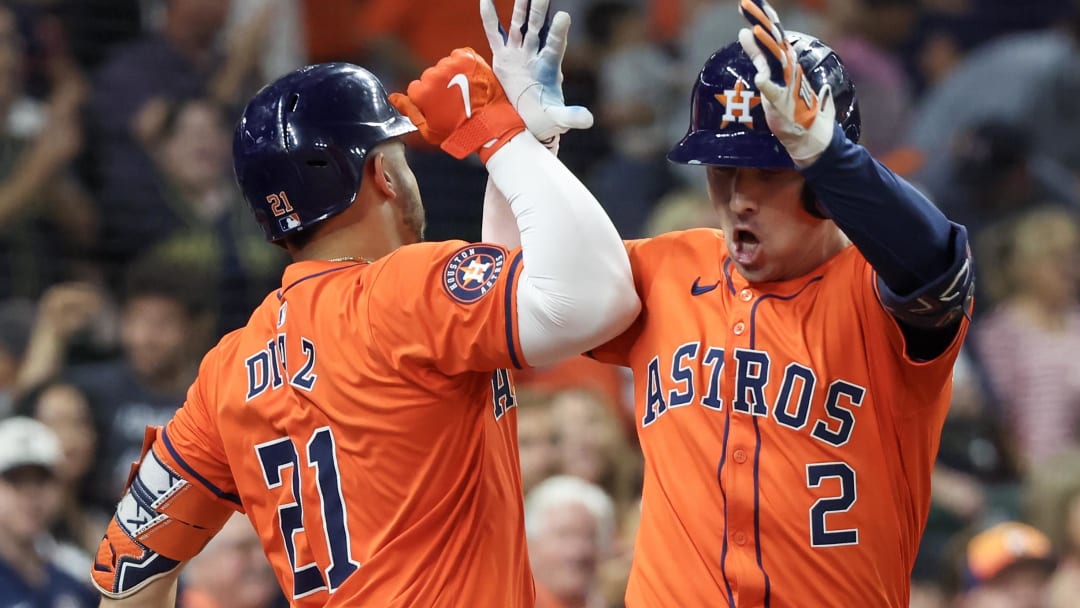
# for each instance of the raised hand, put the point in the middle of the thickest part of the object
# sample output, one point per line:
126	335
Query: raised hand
458	105
801	118
527	59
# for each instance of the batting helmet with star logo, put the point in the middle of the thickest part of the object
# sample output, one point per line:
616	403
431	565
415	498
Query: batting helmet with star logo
727	121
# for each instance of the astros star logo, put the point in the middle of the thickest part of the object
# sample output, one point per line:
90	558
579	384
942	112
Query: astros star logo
738	103
475	271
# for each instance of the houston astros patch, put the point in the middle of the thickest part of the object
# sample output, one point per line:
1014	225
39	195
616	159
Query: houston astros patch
472	272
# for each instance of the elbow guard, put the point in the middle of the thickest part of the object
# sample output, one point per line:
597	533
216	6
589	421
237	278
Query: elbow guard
162	520
943	301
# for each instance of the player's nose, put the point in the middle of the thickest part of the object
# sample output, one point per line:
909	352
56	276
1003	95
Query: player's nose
743	204
742	199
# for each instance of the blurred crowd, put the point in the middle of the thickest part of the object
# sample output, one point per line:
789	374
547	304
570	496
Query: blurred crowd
126	252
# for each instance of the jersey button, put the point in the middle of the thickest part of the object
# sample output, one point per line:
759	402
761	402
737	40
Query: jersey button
739	456
746	295
739	328
740	538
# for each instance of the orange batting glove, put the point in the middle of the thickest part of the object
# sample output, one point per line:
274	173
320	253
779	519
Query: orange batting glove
458	105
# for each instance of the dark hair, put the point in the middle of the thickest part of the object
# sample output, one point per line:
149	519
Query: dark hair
26	404
160	276
987	151
176	107
301	238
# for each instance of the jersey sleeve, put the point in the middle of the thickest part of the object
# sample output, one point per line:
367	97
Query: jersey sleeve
451	305
178	496
193	442
888	336
617	350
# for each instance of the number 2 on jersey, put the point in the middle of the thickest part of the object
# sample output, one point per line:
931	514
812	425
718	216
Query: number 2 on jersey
321	453
820	534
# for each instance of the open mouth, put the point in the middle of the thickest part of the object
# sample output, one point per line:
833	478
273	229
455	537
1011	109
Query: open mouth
746	247
745	237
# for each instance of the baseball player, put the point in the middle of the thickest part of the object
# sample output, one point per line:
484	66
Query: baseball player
792	370
364	419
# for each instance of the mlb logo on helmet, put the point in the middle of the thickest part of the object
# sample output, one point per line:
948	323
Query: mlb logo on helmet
472	272
289	221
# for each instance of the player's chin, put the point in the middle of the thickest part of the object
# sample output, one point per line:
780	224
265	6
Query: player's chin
755	274
753	268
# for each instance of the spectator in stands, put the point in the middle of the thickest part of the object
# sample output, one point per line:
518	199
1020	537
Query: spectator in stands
1028	343
592	445
537	448
65	410
185	58
1053	504
190	141
569	524
870	34
636	96
927	593
46	219
16	318
93	28
165	328
1007	566
29	499
65	312
611	385
1029	79
991	173
401	37
588	435
974	477
284	48
231	572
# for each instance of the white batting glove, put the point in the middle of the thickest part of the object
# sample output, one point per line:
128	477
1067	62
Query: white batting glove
802	119
530	75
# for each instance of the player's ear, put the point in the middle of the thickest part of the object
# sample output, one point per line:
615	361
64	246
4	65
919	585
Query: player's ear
382	176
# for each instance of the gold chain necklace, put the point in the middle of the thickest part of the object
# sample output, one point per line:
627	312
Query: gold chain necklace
350	259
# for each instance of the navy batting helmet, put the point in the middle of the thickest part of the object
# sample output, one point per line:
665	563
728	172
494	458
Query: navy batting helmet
727	121
300	146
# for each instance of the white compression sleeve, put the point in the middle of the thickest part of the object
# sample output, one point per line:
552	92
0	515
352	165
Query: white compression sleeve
576	289
499	225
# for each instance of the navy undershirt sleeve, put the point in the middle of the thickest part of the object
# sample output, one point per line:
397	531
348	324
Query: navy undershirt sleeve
906	239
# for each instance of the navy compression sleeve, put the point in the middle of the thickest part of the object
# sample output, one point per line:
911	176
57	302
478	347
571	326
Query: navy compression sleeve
906	239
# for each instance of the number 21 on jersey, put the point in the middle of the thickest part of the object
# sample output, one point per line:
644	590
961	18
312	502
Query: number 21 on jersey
318	456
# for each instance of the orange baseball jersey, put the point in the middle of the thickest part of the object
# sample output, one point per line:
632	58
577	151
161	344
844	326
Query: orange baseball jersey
788	439
365	421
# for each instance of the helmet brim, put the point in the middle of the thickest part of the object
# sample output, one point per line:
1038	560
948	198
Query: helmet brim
760	150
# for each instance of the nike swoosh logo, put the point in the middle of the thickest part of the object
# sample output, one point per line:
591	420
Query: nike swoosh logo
697	290
462	82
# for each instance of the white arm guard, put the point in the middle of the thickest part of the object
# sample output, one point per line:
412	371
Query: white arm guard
576	289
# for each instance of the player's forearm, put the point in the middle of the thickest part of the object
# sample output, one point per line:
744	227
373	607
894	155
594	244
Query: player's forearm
499	225
576	289
907	240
